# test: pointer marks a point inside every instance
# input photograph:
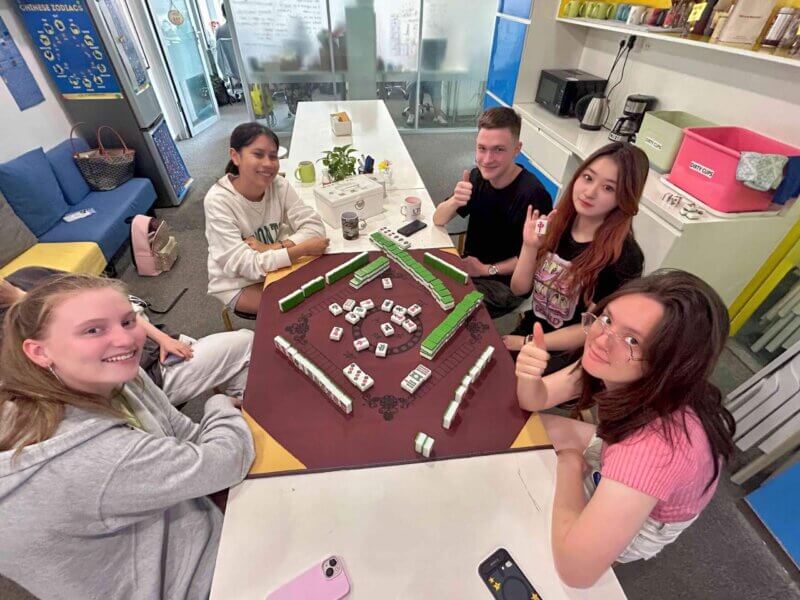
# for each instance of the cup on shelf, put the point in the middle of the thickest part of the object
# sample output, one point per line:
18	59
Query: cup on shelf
636	15
621	14
572	9
599	10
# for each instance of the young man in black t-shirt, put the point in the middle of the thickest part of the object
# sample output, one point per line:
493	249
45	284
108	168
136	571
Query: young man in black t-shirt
496	196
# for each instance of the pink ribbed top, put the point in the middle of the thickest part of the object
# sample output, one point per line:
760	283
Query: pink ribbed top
676	473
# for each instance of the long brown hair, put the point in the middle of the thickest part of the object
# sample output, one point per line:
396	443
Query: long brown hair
32	399
606	247
680	357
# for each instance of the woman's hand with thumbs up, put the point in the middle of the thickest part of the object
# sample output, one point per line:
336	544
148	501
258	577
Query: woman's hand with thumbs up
533	357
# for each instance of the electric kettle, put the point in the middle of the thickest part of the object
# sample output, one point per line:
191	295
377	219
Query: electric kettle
591	111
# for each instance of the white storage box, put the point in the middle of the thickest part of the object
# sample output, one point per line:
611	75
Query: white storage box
358	194
341	124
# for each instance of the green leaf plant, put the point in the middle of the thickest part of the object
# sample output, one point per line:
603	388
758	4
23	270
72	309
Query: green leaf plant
340	162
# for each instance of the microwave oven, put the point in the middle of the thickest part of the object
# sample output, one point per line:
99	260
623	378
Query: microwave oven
560	89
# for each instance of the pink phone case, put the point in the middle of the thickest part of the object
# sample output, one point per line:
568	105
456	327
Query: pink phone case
317	583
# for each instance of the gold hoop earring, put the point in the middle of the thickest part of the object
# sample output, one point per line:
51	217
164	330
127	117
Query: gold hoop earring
54	374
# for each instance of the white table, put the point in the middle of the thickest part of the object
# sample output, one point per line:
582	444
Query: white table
374	134
411	531
430	237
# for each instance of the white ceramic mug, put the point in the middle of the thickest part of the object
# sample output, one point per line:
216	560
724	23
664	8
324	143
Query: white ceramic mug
411	208
636	15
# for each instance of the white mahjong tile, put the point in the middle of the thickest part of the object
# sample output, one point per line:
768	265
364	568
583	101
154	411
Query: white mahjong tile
460	392
360	311
414	310
367	304
361	344
349	304
399	310
335	309
381	349
423	370
427	448
409	326
419	441
387	329
409	385
352	318
387	305
540	226
387	283
336	334
397	319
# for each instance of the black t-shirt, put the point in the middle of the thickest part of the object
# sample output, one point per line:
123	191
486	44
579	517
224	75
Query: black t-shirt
553	306
496	217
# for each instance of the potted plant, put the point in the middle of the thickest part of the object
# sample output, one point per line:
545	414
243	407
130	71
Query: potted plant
340	162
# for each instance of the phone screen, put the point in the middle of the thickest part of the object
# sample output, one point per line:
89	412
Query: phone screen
412	227
504	578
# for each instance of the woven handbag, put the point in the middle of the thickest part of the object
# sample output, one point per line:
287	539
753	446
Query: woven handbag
104	168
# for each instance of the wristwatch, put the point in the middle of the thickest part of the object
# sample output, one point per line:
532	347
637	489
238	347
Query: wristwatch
493	270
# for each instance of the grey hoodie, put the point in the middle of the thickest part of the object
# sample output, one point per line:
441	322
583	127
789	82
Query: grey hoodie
102	510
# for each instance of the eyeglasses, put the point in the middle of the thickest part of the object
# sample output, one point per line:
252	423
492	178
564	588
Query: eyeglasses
623	349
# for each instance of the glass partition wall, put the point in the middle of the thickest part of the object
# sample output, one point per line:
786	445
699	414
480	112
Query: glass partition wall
427	59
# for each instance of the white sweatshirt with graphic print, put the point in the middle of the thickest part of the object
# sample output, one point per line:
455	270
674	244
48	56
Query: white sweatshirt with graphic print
230	218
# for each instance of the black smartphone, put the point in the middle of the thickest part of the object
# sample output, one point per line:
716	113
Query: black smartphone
504	578
411	228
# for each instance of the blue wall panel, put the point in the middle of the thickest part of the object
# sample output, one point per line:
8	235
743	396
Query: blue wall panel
509	39
517	8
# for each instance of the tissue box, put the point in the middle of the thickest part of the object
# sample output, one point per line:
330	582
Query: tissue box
341	124
358	194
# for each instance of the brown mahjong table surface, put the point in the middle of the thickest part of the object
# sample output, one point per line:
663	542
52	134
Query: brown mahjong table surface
295	426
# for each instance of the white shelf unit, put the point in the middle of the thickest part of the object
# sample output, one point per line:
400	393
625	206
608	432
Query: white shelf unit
674	38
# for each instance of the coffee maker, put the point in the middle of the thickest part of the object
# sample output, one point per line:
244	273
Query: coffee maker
628	124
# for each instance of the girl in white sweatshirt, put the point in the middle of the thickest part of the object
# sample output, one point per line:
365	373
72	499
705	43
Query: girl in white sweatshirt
255	221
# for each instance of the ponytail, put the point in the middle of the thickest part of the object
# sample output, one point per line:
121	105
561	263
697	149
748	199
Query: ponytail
231	169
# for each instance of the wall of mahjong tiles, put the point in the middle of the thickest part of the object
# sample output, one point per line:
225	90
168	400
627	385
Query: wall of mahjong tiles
385	418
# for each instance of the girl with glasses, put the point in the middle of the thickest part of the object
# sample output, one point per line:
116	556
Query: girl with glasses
630	485
587	252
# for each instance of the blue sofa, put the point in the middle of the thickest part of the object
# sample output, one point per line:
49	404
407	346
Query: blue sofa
42	187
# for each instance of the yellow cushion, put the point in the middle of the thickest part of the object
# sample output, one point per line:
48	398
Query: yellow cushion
73	257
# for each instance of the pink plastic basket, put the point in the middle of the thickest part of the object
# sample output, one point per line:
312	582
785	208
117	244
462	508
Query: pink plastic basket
706	166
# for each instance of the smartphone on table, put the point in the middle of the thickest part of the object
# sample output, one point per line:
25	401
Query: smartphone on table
505	579
324	581
411	228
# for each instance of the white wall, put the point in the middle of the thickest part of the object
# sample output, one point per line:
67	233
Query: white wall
724	88
45	124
